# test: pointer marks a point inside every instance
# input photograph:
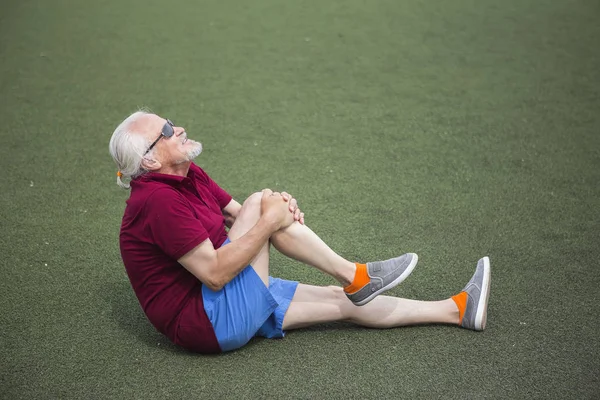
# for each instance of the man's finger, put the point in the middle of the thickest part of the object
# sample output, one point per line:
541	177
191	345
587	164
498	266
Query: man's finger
297	214
293	205
302	218
286	196
267	192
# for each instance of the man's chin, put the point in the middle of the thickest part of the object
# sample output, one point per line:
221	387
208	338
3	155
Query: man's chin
195	151
192	153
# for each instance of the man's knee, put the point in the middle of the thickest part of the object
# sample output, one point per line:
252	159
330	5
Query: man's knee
251	205
253	201
335	293
338	296
249	214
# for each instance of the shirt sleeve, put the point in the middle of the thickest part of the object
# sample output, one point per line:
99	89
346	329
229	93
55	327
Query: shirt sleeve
172	223
223	198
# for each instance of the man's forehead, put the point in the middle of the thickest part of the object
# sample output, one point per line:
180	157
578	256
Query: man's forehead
149	123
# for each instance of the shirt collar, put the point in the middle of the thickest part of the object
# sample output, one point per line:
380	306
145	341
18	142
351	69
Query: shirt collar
171	180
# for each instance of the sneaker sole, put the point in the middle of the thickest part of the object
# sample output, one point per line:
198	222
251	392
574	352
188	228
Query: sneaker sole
392	284
481	315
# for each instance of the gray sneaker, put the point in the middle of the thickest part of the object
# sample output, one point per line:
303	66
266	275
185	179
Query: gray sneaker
384	276
478	294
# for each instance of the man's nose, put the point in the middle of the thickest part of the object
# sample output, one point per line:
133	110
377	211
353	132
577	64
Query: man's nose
178	130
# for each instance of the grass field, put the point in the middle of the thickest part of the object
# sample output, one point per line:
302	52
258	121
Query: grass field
453	129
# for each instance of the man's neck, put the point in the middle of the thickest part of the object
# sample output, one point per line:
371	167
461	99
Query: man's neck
181	169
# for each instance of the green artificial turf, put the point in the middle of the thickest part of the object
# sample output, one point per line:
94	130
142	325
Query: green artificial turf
453	129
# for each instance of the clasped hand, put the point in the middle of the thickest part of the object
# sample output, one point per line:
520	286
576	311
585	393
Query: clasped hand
282	207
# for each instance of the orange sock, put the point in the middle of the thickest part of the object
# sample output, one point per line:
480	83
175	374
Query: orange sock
461	302
361	278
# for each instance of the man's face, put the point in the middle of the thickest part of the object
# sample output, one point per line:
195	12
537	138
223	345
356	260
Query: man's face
173	150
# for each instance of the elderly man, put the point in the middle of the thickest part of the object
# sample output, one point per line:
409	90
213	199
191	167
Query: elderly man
208	289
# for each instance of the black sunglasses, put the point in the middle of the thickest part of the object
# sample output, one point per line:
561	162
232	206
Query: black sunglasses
167	131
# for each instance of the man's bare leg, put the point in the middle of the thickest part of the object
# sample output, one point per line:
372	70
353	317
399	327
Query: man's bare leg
247	218
315	304
312	305
299	242
296	241
362	282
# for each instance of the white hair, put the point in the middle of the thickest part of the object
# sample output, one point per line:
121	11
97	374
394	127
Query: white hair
127	149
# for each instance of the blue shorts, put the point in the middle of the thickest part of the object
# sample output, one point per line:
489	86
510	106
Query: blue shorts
245	308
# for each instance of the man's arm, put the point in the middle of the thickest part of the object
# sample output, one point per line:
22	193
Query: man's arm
215	268
230	212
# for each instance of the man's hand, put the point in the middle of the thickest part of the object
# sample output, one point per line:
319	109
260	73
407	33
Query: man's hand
298	215
275	210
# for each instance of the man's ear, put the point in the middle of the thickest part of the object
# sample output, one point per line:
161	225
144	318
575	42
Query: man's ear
150	164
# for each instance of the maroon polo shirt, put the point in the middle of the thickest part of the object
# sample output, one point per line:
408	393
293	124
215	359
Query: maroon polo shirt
167	216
